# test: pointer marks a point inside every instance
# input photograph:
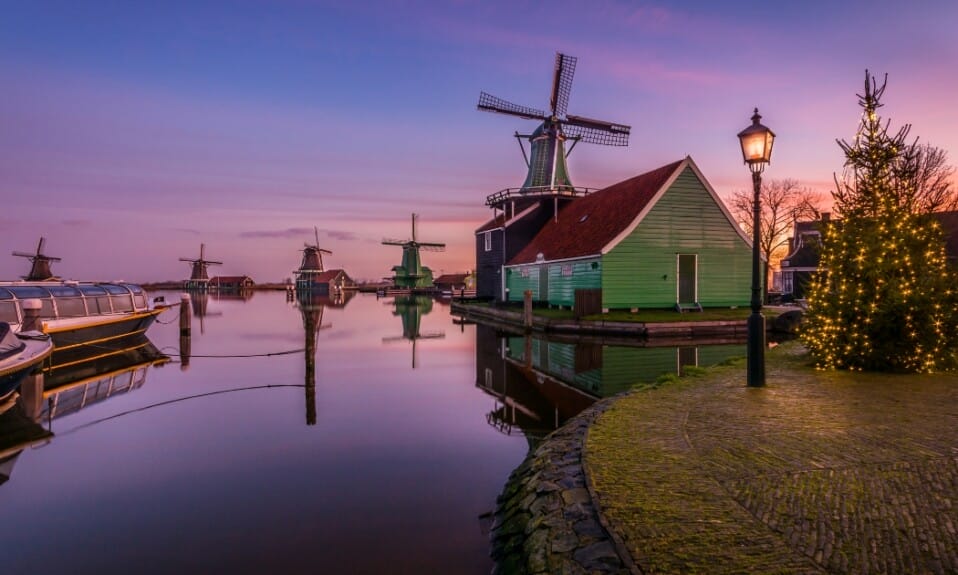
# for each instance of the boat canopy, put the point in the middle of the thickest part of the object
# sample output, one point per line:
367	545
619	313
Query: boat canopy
65	300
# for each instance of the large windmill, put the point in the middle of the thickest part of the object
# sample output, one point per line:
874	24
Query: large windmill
199	278
547	181
411	274
548	172
40	264
312	264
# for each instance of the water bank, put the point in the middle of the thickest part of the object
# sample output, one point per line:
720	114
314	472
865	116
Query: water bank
778	320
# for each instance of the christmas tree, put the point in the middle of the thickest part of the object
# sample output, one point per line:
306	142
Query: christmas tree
883	298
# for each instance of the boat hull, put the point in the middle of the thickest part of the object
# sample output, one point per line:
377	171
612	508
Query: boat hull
16	367
102	336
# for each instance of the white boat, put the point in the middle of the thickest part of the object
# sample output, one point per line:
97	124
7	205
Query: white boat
19	355
81	317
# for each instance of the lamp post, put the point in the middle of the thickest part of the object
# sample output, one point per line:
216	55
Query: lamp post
756	141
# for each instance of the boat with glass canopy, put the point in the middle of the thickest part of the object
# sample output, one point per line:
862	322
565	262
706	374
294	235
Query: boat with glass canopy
81	317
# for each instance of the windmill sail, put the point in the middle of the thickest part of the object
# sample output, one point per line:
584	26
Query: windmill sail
548	171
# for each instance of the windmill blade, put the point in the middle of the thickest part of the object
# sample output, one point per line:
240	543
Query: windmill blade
24	254
562	84
394	242
490	103
322	251
432	247
212	263
51	258
187	260
43	240
596	131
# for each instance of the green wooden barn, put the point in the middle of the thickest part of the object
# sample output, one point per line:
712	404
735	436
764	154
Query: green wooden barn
662	239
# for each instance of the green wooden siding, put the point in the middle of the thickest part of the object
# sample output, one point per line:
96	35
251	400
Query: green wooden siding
518	281
641	271
564	279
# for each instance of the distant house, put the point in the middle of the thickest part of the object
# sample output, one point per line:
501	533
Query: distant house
231	283
662	239
330	282
804	250
802	261
455	282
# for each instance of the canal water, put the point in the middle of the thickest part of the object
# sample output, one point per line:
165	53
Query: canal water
346	435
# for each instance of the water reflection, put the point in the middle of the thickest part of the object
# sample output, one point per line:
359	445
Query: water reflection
70	388
17	433
61	389
538	384
411	309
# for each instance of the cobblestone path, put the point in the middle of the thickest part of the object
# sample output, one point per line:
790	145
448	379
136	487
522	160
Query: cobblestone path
815	473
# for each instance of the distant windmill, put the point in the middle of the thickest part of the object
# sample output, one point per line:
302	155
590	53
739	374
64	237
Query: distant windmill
411	273
40	264
312	264
199	278
548	172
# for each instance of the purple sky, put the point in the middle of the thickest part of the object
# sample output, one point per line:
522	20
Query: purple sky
130	134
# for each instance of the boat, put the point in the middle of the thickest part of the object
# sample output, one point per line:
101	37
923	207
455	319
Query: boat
19	355
79	316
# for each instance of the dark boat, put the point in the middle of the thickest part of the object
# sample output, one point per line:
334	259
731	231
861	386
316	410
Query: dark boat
19	355
81	316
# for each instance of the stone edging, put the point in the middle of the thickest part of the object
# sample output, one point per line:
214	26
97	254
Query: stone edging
546	518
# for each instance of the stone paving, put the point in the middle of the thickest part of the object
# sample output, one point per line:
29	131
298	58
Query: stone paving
815	473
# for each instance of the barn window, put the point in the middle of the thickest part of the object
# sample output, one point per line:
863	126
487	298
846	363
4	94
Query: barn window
488	239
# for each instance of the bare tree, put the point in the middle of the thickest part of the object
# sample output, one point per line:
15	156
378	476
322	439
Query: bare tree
783	202
925	180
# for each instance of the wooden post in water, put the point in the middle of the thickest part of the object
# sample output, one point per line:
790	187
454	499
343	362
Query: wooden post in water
31	315
527	309
186	315
186	320
31	395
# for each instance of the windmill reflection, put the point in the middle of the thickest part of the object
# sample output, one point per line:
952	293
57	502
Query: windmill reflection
410	309
311	305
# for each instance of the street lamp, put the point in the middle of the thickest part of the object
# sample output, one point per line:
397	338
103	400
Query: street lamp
756	143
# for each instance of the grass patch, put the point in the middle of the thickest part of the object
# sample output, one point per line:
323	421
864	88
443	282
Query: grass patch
667	316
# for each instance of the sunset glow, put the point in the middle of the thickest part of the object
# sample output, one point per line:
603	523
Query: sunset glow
131	134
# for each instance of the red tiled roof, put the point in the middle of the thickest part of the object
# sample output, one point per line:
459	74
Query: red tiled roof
327	276
587	225
451	279
229	279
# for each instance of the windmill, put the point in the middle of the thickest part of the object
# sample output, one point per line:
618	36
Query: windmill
312	264
199	278
411	273
40	264
548	172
